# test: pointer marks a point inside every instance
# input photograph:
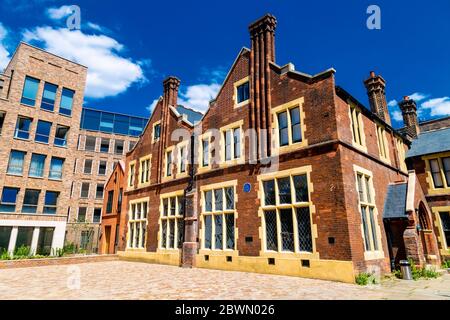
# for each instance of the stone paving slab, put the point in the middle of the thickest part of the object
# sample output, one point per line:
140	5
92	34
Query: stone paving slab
133	280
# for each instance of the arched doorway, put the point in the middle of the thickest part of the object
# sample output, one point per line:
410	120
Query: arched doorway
425	232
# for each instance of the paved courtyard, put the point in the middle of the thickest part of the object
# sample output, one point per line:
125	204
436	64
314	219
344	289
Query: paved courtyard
130	280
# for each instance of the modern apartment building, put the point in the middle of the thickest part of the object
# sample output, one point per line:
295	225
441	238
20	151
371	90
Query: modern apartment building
40	107
55	155
103	140
285	173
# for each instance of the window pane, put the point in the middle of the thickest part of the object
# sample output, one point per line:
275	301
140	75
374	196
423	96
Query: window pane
157	131
269	192
51	202
30	201
368	194
360	187
180	230
228	140
104	145
270	218
218	232
229	195
118	147
97	215
304	229
22	128
218	200
205	153
43	131
446	163
436	173
121	124
164	233
295	125
445	219
87	166
49	96
172	206
208	201
85	190
237	143
229	227
165	207
143	233
373	227
106	122
56	168
172	233
102	168
284	190
61	136
30	90
15	165
243	92
169	164
283	128
9	197
180	206
365	228
45	239
66	101
287	230
301	188
24	237
208	231
90	119
37	165
109	203
5	234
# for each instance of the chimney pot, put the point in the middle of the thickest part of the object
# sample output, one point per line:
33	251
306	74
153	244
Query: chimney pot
376	86
409	113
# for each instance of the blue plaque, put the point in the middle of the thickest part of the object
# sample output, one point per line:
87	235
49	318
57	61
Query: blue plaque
247	187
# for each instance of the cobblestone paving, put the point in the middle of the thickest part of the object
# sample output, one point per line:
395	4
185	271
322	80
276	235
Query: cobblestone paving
130	280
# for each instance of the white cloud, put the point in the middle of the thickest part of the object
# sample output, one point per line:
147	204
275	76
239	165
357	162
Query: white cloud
94	26
4	54
437	106
152	106
397	115
417	96
109	73
198	96
59	13
392	103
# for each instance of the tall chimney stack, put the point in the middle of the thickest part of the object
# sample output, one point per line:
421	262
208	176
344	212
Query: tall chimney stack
376	86
262	35
409	113
171	86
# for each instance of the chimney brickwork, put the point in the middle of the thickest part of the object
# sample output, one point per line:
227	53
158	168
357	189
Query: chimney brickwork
409	113
376	86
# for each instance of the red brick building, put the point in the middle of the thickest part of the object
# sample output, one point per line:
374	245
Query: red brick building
112	235
285	173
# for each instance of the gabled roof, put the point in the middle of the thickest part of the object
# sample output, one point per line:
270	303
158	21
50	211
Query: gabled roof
430	142
395	204
121	165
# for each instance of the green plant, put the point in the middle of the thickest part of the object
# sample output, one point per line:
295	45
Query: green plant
4	255
365	278
70	248
58	252
397	273
22	252
446	264
418	273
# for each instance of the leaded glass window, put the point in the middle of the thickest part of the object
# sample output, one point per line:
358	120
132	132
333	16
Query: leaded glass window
137	224
218	219
287	219
172	222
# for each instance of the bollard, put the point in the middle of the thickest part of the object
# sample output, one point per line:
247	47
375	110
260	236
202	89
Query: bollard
405	267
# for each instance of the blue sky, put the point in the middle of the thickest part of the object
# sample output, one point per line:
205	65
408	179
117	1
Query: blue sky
132	46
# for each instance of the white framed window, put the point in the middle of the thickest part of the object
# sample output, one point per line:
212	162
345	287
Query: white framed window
369	213
131	174
383	146
357	126
218	218
144	169
401	153
137	223
156	132
288	127
241	95
172	221
232	142
439	172
168	163
286	209
182	158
